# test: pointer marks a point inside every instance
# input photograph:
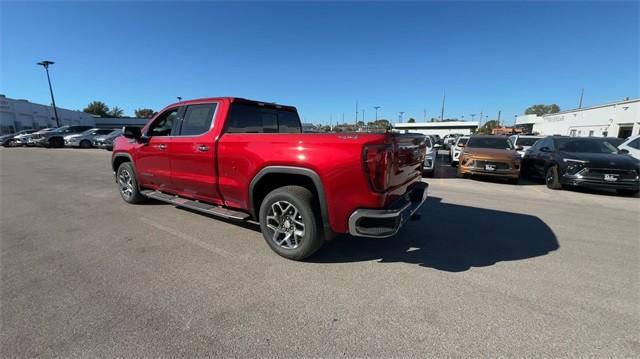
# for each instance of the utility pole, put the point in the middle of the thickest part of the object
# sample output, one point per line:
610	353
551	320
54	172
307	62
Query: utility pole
362	115
480	124
46	64
499	111
356	112
376	108
424	115
581	96
400	115
442	111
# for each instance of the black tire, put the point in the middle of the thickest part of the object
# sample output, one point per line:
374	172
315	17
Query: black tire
552	179
627	192
128	185
56	142
275	213
85	144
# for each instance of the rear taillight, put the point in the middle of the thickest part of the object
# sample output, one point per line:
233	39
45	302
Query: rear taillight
378	163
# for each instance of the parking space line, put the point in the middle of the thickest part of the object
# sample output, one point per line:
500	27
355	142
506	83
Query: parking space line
219	251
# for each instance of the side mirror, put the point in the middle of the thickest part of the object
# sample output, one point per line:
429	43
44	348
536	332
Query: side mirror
623	151
132	132
545	149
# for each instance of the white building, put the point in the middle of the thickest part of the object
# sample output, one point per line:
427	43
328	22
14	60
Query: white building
16	115
439	128
617	119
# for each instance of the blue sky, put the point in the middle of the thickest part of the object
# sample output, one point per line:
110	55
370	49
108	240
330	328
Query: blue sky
322	57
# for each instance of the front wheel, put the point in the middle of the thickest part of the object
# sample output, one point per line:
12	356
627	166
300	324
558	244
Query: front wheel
128	185
552	179
289	223
85	144
56	142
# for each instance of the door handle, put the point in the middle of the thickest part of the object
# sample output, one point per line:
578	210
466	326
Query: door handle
203	148
162	146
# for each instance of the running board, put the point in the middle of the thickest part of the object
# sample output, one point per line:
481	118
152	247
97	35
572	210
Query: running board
196	205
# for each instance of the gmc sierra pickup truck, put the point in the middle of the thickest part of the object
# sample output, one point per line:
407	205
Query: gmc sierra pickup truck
249	161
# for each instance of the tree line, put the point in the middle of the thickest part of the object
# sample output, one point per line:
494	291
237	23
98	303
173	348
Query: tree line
101	109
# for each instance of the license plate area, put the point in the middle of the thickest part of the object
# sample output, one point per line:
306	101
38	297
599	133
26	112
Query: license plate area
611	177
490	167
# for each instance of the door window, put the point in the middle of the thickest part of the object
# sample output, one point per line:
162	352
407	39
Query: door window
163	125
253	118
197	119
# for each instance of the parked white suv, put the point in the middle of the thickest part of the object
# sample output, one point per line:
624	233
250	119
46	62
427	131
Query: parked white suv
429	165
523	142
454	151
631	146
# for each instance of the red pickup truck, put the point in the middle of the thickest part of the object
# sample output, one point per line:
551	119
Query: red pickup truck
249	161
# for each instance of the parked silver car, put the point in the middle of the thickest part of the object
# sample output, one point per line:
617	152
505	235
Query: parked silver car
106	141
429	165
85	139
55	138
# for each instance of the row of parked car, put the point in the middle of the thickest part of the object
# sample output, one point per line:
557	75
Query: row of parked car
65	136
562	161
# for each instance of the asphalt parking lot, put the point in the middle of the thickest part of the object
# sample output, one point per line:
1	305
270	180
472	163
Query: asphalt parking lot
492	269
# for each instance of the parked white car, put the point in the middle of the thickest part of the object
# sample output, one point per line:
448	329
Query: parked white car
454	151
429	165
631	146
523	141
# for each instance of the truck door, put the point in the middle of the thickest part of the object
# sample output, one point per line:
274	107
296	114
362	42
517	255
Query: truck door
152	158
193	154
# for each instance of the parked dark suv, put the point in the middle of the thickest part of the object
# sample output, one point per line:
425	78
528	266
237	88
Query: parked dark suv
582	161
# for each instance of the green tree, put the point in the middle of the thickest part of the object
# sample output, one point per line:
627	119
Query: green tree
488	126
542	109
411	120
144	113
116	112
97	108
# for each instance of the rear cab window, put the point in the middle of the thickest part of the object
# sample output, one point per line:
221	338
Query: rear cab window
255	117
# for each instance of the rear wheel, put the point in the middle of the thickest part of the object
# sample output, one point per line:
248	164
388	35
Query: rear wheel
128	185
85	144
56	142
290	224
552	179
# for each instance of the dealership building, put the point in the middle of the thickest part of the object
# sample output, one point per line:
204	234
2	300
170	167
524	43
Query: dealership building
439	128
18	114
616	119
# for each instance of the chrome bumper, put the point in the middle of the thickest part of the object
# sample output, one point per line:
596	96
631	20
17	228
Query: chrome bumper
386	222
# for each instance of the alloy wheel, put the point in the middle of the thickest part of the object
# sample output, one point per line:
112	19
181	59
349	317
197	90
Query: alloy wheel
285	224
126	183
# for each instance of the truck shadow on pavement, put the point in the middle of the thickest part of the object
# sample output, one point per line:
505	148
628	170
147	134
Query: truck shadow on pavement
450	238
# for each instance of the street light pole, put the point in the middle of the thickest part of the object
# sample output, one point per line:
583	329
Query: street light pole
46	64
376	108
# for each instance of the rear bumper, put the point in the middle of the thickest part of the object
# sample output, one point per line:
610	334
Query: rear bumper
386	222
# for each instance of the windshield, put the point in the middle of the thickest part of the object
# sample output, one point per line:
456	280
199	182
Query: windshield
60	129
114	133
490	142
526	141
586	146
89	131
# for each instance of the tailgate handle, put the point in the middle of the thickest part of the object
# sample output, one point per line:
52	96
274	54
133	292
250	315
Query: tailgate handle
203	148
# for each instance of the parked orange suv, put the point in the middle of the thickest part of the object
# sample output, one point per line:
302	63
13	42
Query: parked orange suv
493	156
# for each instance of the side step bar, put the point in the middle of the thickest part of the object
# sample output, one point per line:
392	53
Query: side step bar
196	205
